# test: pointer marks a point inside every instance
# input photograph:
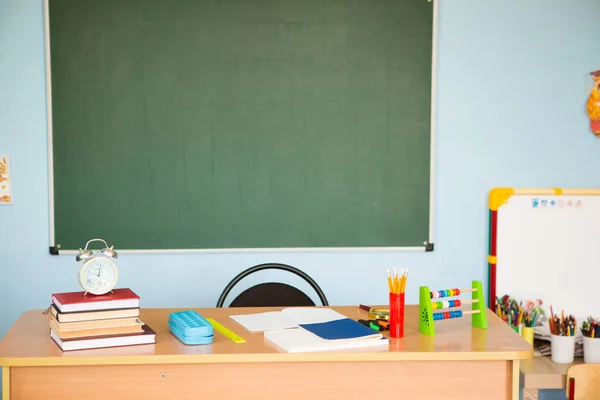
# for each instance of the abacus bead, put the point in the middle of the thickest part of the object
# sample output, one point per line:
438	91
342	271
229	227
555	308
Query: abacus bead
440	305
457	292
451	292
451	303
446	315
458	303
431	295
446	304
460	313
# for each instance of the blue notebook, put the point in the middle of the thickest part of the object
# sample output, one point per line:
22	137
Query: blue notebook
341	329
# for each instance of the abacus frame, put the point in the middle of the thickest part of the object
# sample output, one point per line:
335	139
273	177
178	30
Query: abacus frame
477	312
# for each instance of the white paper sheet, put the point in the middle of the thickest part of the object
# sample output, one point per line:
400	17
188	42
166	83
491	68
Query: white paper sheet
285	319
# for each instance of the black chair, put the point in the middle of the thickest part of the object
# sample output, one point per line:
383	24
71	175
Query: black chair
271	294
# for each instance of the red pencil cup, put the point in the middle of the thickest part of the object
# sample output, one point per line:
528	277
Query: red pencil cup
396	315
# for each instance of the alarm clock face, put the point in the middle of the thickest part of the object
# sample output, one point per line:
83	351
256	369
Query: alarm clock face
98	275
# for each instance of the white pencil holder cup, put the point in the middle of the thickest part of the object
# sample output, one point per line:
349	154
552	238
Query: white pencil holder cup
563	349
591	350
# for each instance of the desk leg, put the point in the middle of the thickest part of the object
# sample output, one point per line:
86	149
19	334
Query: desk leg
514	375
5	383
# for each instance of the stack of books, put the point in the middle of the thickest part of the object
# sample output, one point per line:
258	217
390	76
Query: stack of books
85	321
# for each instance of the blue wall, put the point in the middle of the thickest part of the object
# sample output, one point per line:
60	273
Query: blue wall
511	91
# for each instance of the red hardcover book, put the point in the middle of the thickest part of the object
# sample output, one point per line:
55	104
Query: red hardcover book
79	301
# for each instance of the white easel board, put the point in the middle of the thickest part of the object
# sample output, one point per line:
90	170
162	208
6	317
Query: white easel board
545	244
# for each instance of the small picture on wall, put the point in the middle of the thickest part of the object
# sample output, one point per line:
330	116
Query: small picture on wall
5	197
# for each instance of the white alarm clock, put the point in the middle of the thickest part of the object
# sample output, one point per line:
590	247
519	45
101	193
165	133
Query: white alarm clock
98	274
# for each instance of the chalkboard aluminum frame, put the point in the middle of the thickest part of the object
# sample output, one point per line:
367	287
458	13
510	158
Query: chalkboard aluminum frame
428	246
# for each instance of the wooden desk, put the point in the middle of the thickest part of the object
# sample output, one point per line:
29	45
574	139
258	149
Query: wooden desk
541	373
460	362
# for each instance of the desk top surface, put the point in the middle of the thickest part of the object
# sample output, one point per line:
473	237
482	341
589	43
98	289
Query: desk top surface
28	343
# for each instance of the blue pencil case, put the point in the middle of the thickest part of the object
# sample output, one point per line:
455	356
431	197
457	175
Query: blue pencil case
190	327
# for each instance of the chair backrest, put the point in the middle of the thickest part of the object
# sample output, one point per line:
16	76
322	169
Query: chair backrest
271	294
583	382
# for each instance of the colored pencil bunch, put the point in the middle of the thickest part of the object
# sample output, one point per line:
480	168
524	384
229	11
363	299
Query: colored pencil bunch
563	325
509	310
397	282
591	328
532	310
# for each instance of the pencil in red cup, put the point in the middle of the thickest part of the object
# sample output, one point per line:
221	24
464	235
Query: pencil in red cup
397	286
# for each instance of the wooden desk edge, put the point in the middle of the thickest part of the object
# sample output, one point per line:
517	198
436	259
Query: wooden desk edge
541	373
266	357
544	381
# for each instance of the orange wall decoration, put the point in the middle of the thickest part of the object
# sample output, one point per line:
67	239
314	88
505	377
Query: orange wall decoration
593	104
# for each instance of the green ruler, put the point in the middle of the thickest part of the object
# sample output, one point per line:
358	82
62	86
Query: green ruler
228	333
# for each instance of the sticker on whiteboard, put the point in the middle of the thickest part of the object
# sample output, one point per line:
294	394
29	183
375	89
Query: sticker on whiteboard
534	203
544	203
5	181
578	203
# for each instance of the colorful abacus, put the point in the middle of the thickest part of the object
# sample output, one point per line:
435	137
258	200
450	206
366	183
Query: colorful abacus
427	317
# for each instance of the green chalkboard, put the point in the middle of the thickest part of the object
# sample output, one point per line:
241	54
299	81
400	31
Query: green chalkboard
218	124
